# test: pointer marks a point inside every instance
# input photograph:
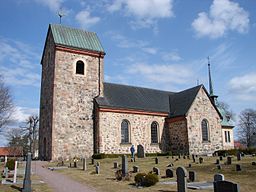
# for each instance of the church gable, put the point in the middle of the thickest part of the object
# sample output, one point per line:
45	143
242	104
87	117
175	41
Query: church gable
203	125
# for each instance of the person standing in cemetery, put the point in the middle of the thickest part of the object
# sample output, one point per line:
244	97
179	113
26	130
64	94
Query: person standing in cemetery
132	149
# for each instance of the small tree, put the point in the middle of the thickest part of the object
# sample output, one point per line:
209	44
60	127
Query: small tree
6	105
247	126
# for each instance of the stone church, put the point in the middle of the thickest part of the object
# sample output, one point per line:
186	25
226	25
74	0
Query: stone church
81	115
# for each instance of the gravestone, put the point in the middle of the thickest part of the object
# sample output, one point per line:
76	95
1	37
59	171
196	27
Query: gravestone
218	177
181	173
5	160
219	167
6	172
238	156
221	158
98	163
135	169
189	165
75	165
192	176
238	167
170	165
140	151
156	160
184	157
242	154
229	160
124	165
115	165
97	169
179	156
84	164
225	186
169	173
194	159
15	172
254	163
188	157
156	170
92	161
27	179
70	165
217	161
201	160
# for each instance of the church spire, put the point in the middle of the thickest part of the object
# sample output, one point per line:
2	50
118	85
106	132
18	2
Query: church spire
212	96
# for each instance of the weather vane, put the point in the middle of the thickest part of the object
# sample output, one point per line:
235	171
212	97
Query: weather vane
61	14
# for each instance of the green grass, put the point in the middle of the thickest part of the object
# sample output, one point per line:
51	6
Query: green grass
106	181
17	187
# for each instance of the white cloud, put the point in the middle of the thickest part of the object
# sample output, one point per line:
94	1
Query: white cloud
244	87
224	15
53	5
174	74
18	63
124	42
85	19
21	114
171	56
144	12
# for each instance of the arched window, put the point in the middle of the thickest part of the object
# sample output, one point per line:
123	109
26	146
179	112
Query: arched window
205	130
154	132
80	67
125	131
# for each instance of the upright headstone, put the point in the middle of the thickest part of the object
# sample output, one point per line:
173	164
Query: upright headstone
97	169
219	177
238	167
156	160
124	165
225	186
6	172
169	173
217	161
27	179
201	160
140	151
219	166
15	172
221	158
181	173
194	159
229	160
156	170
115	165
189	165
192	176
135	169
92	161
84	164
238	156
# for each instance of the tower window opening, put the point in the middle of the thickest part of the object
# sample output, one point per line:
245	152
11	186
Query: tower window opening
80	67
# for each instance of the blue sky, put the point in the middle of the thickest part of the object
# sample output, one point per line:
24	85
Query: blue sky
162	44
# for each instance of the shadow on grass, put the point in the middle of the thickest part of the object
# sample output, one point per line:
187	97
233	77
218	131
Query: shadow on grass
16	187
166	190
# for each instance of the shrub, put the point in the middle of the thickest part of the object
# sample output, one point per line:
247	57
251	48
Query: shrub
118	175
139	178
10	164
147	180
150	179
247	151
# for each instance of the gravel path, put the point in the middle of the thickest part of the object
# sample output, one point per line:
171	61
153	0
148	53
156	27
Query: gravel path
57	181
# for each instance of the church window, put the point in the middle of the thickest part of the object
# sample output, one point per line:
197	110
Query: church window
125	131
227	136
154	134
80	67
205	130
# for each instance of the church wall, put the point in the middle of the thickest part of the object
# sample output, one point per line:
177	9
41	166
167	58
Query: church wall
228	145
46	100
178	136
201	109
72	131
140	132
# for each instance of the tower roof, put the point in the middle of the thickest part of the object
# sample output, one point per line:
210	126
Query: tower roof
75	38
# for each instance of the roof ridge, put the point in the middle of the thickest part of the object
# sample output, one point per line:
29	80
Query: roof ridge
69	27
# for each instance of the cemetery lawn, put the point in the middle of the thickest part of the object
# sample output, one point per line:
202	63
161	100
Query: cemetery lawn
38	187
105	181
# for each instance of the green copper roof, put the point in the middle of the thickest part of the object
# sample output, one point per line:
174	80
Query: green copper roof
226	122
75	38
